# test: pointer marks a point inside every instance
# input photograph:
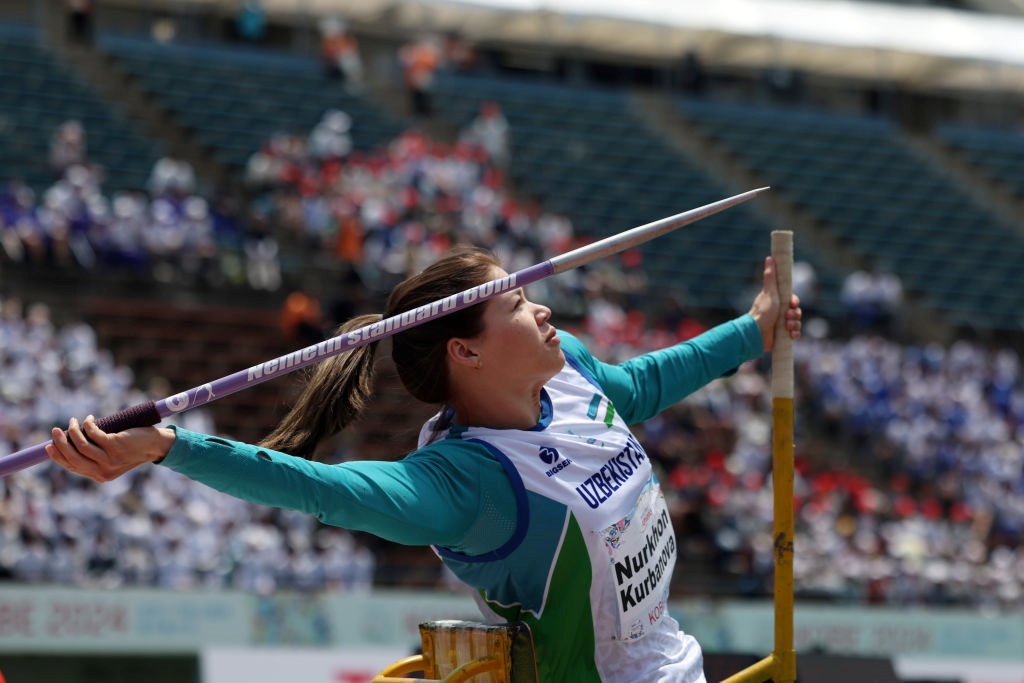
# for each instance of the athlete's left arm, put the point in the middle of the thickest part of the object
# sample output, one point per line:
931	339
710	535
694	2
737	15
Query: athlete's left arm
643	386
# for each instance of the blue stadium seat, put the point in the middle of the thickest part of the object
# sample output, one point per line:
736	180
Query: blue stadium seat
998	153
236	99
872	191
38	93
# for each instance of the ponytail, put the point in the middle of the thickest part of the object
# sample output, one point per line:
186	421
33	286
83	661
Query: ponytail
338	388
336	391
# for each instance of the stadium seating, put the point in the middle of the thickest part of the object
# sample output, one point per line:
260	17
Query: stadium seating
235	99
38	93
997	153
580	151
887	203
195	345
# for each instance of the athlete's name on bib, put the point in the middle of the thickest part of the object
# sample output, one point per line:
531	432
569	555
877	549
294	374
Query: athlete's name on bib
647	557
600	486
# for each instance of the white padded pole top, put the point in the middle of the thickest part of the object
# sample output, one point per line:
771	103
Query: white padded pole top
782	353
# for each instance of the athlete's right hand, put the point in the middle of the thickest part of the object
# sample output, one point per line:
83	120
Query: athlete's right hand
766	308
87	450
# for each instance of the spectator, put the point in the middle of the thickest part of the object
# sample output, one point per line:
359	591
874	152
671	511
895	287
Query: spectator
198	259
805	285
122	242
262	255
251	22
80	20
171	176
302	319
71	208
67	147
489	130
330	139
339	50
693	78
873	299
21	231
420	60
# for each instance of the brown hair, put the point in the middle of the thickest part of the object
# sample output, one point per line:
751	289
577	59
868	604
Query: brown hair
338	388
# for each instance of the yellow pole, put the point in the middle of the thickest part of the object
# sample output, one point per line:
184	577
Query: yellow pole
782	465
780	665
759	672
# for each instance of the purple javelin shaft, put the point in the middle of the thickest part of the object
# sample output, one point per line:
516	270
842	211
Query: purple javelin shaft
152	412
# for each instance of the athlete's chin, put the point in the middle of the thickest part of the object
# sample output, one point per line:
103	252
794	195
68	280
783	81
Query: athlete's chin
561	360
557	363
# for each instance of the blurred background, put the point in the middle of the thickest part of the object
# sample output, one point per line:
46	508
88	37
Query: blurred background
191	187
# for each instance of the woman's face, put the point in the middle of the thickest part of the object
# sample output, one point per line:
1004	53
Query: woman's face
517	341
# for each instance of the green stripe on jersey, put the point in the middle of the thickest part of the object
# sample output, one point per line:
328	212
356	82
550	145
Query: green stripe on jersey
560	635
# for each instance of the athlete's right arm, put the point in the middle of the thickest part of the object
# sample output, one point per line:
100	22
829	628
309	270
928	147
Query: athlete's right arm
434	496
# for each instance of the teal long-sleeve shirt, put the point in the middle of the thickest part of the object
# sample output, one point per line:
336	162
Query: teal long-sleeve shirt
436	494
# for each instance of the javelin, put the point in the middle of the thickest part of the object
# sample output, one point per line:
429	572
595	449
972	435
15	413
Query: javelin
152	412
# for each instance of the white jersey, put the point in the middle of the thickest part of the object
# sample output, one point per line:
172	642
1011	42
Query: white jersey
590	562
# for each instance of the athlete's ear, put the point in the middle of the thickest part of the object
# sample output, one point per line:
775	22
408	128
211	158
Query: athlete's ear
462	354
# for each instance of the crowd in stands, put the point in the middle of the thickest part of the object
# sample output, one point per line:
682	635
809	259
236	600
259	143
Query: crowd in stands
168	230
909	473
151	527
385	213
910	459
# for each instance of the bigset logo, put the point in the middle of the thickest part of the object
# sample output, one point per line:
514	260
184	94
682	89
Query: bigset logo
551	456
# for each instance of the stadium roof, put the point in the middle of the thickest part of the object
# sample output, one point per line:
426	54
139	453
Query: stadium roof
911	45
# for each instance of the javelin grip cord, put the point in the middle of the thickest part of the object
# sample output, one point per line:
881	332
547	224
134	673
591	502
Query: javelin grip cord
152	412
140	415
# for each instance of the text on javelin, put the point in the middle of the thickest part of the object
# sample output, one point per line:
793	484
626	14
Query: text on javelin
383	328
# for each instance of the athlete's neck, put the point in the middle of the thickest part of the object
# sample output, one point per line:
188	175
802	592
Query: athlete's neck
497	411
